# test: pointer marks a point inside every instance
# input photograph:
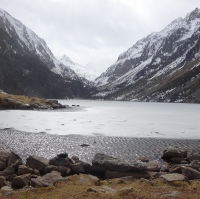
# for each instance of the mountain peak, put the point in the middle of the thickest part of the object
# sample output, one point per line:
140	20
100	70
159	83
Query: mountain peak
193	15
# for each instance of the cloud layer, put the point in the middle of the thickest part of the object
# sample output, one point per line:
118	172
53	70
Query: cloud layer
94	32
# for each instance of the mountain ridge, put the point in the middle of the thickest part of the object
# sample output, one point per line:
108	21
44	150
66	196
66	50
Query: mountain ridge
152	59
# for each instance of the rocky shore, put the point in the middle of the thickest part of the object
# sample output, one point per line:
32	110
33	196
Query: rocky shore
35	172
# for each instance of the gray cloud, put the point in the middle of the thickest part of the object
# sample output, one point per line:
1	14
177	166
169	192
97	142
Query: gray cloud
95	32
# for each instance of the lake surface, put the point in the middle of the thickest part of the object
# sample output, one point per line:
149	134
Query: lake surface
108	118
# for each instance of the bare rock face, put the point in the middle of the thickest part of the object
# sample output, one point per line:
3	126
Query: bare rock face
21	181
36	162
191	173
103	162
171	177
46	180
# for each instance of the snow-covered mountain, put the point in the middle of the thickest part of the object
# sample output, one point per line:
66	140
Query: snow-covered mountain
28	39
164	66
27	65
80	70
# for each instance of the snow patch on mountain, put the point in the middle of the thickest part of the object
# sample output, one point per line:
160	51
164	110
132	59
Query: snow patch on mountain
80	70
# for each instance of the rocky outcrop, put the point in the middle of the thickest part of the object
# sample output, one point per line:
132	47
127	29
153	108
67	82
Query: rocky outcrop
28	103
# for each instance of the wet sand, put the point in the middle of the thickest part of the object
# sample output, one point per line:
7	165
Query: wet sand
126	148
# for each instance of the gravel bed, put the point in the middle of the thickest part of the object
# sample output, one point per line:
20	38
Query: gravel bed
126	148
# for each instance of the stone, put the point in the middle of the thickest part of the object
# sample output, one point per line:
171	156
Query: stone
75	158
60	160
6	189
194	156
63	170
8	171
36	172
195	164
2	181
77	168
36	162
174	152
176	169
110	174
46	180
21	181
102	162
106	189
153	166
10	177
23	169
165	195
4	155
16	164
171	177
85	179
191	173
91	189
2	165
13	158
143	159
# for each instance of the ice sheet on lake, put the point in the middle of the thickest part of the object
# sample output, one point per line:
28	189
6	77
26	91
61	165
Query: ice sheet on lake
126	119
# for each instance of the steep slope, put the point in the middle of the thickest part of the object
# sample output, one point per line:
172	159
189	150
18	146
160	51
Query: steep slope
164	66
27	38
85	75
27	66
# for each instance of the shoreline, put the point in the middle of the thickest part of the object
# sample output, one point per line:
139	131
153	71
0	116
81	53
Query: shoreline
126	148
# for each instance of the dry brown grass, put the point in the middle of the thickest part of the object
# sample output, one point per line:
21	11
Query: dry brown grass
140	190
22	98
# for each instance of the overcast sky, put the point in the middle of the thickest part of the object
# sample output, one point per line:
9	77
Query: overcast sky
94	32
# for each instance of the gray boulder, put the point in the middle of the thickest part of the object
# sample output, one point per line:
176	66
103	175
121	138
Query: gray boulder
174	152
60	160
191	173
23	169
46	180
36	162
21	181
103	162
172	177
109	174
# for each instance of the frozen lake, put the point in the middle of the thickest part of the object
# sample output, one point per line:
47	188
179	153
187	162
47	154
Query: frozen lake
107	118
